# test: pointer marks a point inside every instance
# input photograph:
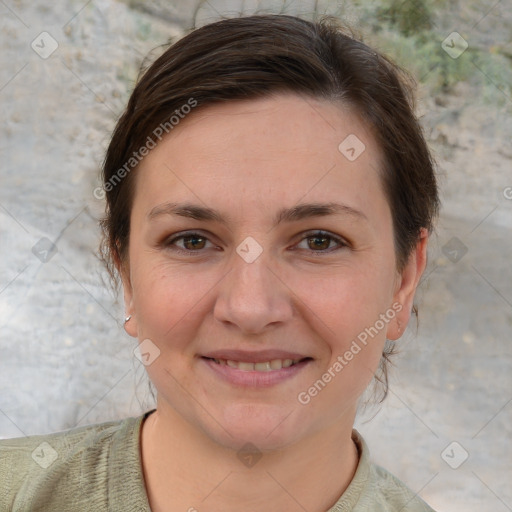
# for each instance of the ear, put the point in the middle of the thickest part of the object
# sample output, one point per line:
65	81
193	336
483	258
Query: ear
406	285
124	271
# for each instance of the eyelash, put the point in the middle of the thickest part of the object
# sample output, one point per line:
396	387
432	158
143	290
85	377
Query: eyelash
313	234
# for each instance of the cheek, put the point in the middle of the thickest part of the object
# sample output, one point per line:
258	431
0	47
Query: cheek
167	299
346	310
349	300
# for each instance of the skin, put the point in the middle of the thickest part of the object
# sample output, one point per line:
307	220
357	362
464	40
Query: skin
249	159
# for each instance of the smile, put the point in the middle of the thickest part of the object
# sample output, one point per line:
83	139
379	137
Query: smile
265	366
260	374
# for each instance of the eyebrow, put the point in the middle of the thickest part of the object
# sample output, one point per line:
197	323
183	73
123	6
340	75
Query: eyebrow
293	214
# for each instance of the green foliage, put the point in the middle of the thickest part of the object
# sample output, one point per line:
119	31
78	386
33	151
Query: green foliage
409	17
494	72
409	31
426	60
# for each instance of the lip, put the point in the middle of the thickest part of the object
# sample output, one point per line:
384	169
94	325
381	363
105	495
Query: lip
253	357
255	378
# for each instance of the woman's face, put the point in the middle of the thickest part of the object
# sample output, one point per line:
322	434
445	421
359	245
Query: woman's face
226	264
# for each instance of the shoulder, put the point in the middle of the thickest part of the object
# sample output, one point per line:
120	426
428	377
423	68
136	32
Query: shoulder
392	494
59	470
378	489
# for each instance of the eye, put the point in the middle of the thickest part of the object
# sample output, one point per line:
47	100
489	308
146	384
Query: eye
320	242
192	242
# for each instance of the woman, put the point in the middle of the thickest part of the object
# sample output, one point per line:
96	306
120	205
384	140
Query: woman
269	201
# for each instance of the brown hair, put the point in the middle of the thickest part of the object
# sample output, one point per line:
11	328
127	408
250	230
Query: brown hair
252	57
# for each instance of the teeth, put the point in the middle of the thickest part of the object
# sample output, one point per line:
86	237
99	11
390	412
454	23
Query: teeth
246	366
267	366
262	367
276	364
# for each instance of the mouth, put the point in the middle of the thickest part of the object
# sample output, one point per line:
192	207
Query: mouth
252	370
262	366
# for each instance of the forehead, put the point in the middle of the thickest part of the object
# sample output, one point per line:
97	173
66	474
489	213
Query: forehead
284	122
281	148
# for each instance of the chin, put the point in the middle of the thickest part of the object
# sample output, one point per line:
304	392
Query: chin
268	427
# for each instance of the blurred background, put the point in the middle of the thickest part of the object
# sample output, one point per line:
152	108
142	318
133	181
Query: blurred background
67	69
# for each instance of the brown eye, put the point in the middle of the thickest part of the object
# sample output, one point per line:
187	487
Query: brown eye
320	242
191	242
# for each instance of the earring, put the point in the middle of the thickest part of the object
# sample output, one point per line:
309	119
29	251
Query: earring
127	318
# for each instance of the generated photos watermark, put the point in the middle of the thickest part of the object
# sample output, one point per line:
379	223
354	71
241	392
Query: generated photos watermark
304	397
137	156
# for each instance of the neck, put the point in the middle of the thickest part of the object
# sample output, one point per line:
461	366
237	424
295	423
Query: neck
185	470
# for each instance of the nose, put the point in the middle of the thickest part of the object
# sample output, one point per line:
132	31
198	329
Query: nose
253	296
